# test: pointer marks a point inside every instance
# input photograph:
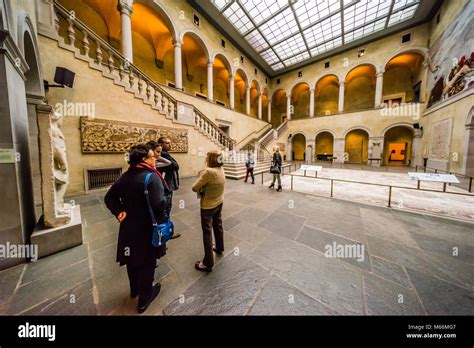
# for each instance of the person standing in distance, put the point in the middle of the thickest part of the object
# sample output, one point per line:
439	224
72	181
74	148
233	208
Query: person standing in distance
170	173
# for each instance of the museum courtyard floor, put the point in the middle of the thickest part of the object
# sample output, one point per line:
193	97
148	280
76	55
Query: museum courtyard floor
275	263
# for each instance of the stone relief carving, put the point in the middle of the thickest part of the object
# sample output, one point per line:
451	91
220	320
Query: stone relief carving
441	139
108	136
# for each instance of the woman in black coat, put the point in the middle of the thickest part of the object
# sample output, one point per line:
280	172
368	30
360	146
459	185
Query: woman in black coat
276	161
126	200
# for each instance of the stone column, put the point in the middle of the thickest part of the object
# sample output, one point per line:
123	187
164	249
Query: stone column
311	103
378	89
338	149
375	150
289	155
178	73
210	82
341	97
269	111
310	150
126	10
260	106
231	92
247	100
416	148
288	107
424	83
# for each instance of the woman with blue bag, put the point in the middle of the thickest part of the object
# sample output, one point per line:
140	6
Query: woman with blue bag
127	201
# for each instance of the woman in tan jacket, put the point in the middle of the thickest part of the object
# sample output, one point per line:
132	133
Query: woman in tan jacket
210	185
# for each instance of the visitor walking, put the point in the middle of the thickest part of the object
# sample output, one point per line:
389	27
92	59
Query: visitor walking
170	173
127	202
276	168
210	185
250	165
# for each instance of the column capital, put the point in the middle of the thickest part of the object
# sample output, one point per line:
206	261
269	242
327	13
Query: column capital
210	64
269	100
248	88
177	43
342	83
260	95
125	7
311	90
231	77
379	74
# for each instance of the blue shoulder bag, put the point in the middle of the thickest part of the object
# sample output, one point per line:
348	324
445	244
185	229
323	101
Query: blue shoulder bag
164	231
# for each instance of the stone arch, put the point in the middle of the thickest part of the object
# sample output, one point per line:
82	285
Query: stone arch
416	49
298	146
323	144
369	132
154	5
311	86
356	144
28	45
326	94
400	124
360	85
234	72
326	75
325	130
224	59
199	40
366	62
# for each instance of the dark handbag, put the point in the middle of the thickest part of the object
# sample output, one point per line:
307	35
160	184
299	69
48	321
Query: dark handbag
164	231
275	169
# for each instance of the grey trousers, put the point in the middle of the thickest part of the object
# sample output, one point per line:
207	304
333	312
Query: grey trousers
276	176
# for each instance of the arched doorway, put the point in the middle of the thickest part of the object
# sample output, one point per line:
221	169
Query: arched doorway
221	76
300	95
240	90
402	79
152	40
359	93
326	96
357	146
324	146
278	105
298	147
397	146
254	92
194	65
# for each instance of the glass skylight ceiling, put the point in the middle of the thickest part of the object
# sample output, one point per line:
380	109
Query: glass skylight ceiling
286	32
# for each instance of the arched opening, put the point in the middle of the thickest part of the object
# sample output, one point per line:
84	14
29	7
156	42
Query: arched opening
254	92
326	96
357	146
298	147
279	101
324	146
240	90
29	166
152	40
194	65
265	104
402	79
101	16
300	95
221	80
397	146
360	88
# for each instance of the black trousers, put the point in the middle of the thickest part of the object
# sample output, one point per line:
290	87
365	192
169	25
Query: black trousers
211	219
249	170
141	279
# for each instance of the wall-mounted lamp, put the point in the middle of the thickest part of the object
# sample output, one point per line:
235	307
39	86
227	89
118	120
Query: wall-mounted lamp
63	77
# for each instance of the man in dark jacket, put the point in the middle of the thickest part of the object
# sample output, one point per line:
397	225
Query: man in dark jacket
126	200
170	173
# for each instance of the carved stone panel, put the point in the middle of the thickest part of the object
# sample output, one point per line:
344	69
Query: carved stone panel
109	136
441	139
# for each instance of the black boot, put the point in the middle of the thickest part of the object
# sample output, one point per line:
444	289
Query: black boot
279	188
142	307
271	186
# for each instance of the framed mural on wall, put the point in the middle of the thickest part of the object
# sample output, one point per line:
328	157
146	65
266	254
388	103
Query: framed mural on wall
453	58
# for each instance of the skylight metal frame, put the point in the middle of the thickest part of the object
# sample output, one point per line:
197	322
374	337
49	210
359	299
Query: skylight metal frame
309	48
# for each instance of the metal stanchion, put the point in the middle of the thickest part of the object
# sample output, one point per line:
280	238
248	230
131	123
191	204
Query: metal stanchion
262	178
390	196
291	182
332	186
470	184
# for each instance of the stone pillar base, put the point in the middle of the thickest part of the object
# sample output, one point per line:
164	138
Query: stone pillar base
56	239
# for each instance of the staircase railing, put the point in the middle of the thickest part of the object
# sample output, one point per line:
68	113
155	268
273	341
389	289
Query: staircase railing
115	66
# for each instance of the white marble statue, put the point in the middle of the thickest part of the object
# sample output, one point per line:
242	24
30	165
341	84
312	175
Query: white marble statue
60	169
